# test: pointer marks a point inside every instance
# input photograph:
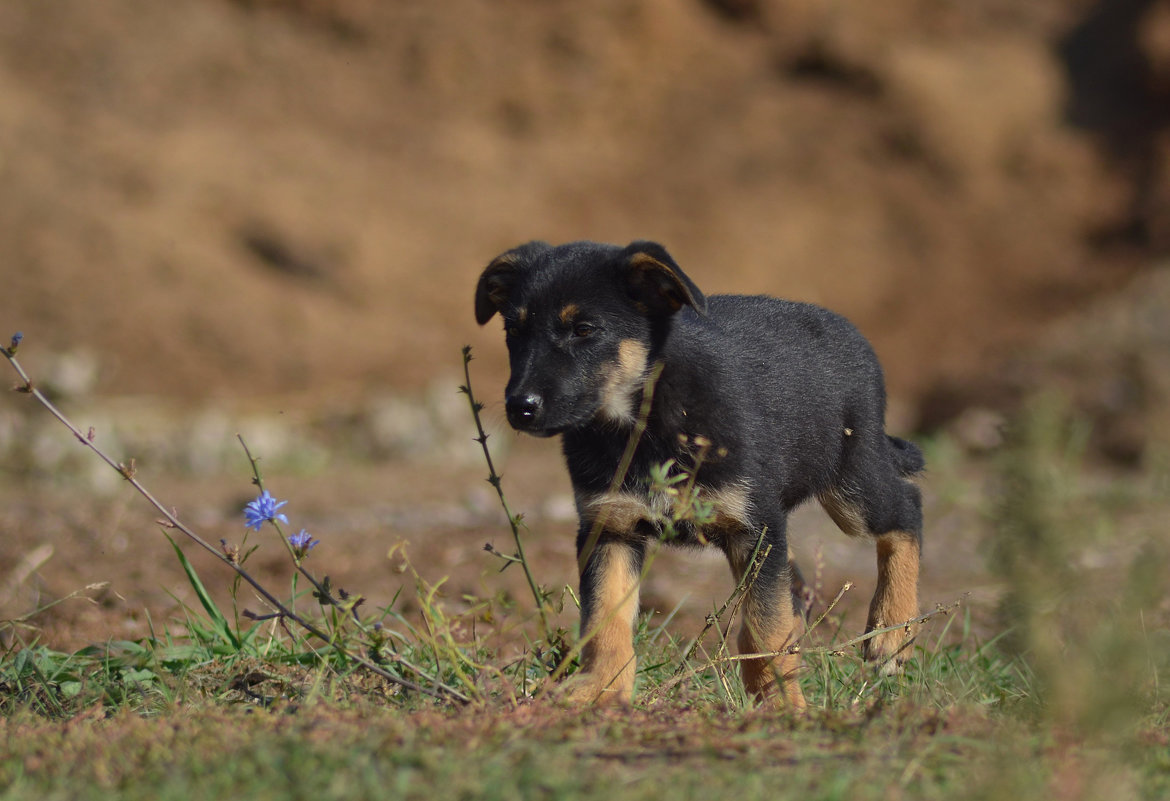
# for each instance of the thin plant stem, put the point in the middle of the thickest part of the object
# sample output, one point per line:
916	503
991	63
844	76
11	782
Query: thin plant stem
839	648
171	520
495	480
846	587
754	565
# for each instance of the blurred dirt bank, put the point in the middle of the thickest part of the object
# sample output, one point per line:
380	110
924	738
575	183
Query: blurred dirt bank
225	199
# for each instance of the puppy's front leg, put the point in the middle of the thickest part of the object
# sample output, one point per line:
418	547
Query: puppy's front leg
769	626
609	603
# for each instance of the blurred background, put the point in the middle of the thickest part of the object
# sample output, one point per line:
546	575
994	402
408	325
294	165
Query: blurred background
268	216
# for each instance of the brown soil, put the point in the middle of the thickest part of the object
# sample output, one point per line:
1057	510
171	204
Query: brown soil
441	519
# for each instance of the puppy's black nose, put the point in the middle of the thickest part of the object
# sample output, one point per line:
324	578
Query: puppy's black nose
523	410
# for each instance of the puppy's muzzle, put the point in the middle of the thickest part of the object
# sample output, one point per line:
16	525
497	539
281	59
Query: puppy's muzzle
524	410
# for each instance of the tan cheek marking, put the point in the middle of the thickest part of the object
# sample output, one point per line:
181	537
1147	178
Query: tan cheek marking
624	379
632	358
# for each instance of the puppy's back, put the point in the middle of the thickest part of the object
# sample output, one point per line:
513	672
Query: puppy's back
780	381
784	343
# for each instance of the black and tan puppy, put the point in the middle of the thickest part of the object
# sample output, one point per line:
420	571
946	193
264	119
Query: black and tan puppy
786	400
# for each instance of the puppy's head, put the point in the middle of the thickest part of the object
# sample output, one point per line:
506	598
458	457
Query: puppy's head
580	322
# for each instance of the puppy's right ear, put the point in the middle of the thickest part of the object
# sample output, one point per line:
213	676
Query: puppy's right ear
497	281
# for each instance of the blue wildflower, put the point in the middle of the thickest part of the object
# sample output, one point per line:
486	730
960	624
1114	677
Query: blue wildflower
302	543
263	509
17	338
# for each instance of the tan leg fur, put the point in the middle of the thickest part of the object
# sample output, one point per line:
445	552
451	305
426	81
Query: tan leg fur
608	663
895	600
768	629
768	626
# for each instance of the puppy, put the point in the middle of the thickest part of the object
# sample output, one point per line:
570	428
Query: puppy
761	403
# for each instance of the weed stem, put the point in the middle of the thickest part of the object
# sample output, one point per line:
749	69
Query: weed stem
440	691
495	480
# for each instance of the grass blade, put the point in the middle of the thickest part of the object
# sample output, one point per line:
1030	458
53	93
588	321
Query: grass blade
217	618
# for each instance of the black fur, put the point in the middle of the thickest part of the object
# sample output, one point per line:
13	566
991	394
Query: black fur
790	396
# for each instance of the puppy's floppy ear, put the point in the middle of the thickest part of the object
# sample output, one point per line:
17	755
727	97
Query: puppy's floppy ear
497	281
654	280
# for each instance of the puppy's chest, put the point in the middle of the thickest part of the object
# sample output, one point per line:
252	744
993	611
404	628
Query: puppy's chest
684	512
681	487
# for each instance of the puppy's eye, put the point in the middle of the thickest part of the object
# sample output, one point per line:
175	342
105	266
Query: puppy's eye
583	329
511	330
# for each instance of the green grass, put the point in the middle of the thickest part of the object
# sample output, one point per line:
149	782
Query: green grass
151	720
301	733
322	748
322	752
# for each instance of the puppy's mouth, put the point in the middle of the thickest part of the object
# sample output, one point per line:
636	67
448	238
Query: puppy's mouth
540	433
540	426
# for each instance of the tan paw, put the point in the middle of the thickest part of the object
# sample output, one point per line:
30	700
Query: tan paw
890	649
589	689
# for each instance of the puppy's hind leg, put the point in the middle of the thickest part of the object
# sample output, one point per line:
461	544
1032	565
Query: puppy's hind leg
895	599
890	512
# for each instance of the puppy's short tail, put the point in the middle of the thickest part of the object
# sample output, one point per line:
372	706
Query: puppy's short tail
907	456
